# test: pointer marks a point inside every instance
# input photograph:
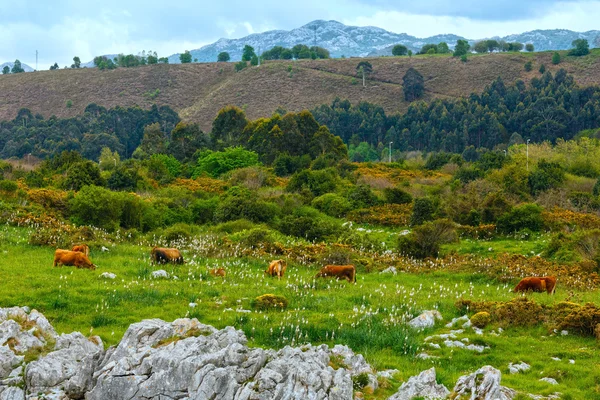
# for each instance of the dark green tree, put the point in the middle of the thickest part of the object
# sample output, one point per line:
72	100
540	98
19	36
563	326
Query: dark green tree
481	47
556	58
53	67
248	53
364	69
223	57
413	85
76	62
17	68
443	48
462	48
228	126
185	58
581	47
429	48
529	47
423	210
528	66
5	70
82	174
542	69
399	50
152	58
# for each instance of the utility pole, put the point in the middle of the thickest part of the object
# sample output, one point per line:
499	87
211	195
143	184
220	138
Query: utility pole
390	153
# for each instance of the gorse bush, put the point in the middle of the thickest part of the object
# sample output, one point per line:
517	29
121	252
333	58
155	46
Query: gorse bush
397	196
526	216
241	203
332	204
216	163
423	210
317	182
425	240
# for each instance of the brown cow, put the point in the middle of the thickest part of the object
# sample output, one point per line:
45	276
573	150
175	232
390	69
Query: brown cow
537	284
161	255
74	258
82	248
347	272
277	268
218	272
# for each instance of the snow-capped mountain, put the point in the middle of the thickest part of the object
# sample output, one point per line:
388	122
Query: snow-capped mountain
26	67
353	41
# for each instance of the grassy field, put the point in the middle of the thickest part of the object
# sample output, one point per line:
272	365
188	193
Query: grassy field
369	316
198	91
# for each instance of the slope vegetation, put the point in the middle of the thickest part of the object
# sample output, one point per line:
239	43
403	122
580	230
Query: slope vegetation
198	91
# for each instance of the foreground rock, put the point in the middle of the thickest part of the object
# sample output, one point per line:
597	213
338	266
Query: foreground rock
425	320
424	385
483	384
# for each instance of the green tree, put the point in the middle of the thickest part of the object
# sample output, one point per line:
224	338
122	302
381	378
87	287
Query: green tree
442	48
5	70
581	47
163	60
413	85
556	58
223	57
82	174
542	69
427	49
515	46
185	58
364	69
481	47
320	52
154	140
54	67
527	216
96	206
529	47
248	53
216	163
17	68
462	48
76	62
399	50
152	58
528	66
228	126
108	159
254	60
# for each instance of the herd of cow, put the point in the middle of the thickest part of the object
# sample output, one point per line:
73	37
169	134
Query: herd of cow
78	256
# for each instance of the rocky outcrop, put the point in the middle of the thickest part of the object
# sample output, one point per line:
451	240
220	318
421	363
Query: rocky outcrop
483	384
423	386
161	360
425	320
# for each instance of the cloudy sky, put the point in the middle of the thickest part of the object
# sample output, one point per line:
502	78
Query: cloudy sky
63	29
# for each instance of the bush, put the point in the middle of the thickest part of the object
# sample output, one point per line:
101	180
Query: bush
285	164
548	175
556	58
425	240
481	319
423	210
332	204
317	182
397	196
527	216
528	66
437	160
82	174
216	163
240	203
177	232
203	211
309	224
468	174
252	177
123	179
240	66
171	164
269	302
361	196
96	206
8	186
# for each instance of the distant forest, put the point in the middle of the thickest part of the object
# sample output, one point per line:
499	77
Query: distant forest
551	107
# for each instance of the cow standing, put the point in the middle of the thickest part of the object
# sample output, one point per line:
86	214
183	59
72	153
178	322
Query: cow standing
537	284
72	258
347	272
161	255
277	268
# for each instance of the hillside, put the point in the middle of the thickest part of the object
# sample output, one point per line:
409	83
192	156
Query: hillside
198	91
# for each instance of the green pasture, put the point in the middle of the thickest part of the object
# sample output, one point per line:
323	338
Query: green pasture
369	316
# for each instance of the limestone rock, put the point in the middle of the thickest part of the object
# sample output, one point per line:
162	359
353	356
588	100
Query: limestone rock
389	270
8	361
520	367
425	320
483	384
424	385
108	275
551	381
160	274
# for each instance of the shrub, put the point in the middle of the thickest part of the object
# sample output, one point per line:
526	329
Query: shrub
526	216
556	58
216	163
317	182
481	319
425	240
528	66
252	177
239	203
583	320
386	215
203	211
423	210
468	174
397	196
361	196
309	224
548	175
53	237
82	174
437	160
8	186
177	232
96	206
269	302
240	66
332	204
123	179
171	164
285	164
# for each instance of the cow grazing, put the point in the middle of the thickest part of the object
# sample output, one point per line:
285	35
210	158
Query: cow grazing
162	255
82	248
277	268
347	272
72	258
537	284
218	272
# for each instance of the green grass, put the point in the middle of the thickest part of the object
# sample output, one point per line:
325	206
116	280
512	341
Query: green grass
368	316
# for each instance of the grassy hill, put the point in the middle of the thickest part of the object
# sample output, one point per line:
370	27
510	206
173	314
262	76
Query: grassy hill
198	91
